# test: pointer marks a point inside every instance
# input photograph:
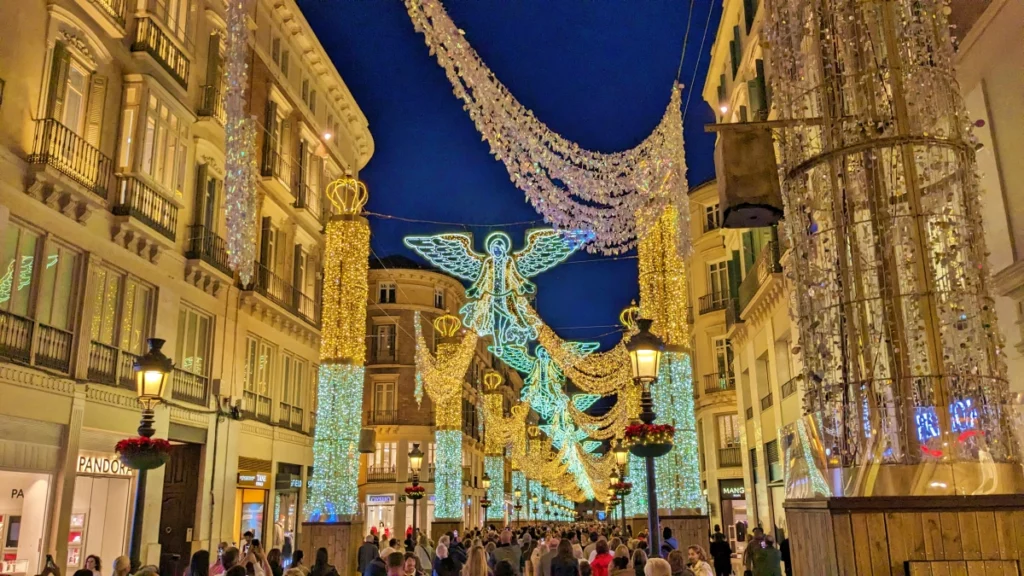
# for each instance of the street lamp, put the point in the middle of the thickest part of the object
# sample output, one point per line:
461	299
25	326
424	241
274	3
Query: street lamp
536	508
518	506
415	462
151	372
645	350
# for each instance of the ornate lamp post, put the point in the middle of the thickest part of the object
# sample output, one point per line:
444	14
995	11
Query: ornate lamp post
415	462
645	350
621	454
151	372
518	506
485	502
536	509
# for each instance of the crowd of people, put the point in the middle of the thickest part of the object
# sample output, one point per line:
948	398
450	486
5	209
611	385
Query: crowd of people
582	549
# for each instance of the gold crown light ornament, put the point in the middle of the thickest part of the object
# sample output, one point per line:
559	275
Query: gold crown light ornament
492	379
348	195
447	325
629	315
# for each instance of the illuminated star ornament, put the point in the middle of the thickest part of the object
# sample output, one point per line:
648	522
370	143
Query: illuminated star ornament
498	298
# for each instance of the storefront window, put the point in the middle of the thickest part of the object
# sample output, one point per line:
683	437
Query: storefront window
251	504
380	512
24	499
100	510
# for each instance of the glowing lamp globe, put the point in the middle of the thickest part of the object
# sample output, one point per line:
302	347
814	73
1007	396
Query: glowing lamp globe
486	481
645	350
151	372
621	454
415	458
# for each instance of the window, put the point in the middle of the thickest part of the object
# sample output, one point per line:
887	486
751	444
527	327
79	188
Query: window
718	280
17	256
164	146
129	118
294	380
75	97
439	298
723	355
386	292
712	218
728	431
284	62
753	465
383	396
312	101
260	360
305	89
386	342
122	310
385	457
771	453
275	51
195	333
56	286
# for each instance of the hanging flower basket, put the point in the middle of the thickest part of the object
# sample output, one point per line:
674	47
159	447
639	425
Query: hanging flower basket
415	492
143	453
649	439
623	488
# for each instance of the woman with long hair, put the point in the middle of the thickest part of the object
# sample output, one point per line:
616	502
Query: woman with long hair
274	561
565	562
639	560
476	564
200	564
699	561
320	565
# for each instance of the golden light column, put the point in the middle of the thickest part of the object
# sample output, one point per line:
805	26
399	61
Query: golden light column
496	437
443	374
333	488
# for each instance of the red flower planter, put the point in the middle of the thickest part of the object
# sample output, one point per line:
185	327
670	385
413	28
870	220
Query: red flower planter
143	453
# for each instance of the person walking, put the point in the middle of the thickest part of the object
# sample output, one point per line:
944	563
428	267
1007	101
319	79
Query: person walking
668	543
753	550
721	555
639	561
199	565
274	561
476	563
565	563
367	552
509	551
602	559
769	561
320	565
698	560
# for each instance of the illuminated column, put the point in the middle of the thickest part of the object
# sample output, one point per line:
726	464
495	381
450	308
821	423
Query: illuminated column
333	487
442	374
495	440
663	299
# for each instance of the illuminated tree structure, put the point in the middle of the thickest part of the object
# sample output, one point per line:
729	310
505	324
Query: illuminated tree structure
442	374
333	487
498	298
498	432
663	299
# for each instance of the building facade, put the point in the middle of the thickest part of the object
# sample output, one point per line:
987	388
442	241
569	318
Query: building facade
399	288
764	349
111	176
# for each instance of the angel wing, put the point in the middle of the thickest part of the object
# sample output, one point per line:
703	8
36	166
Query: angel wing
580	349
584	401
545	248
452	253
515	357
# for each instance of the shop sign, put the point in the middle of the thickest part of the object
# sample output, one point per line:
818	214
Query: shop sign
381	499
99	464
287	482
252	479
733	490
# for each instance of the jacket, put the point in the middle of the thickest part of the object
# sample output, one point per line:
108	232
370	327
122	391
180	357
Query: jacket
510	553
367	552
599	567
768	562
722	554
563	567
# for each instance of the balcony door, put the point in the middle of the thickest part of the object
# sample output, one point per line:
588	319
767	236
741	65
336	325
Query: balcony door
383	401
718	280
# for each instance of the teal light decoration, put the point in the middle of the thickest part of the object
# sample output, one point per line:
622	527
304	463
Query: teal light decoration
519	483
448	474
494	466
498	298
678	472
333	489
636	474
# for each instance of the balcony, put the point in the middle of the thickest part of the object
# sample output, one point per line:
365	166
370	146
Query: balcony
211	103
113	9
134	198
713	302
732	314
150	38
308	198
16	337
290	416
767	402
53	350
189	387
381	417
256	406
53	345
729	458
111	366
719	382
766	265
203	244
58	146
274	288
380	474
789	387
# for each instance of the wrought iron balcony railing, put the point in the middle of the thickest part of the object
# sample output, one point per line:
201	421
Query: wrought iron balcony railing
719	382
285	295
203	244
58	146
111	366
308	198
380	474
211	103
256	406
729	458
378	417
150	38
135	198
189	387
712	302
290	416
767	263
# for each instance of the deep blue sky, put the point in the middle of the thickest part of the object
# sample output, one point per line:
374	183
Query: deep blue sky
597	71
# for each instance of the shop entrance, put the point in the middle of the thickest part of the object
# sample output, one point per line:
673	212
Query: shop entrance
24	499
380	512
178	510
100	510
732	494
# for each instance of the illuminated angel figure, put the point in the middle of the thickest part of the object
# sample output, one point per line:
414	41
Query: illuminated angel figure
544	384
499	305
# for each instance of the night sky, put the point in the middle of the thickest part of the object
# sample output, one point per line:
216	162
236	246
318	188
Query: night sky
599	72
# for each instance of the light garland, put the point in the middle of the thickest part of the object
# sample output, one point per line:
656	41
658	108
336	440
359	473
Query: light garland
618	196
636	474
678	472
494	467
663	287
448	474
498	303
240	146
333	489
888	262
